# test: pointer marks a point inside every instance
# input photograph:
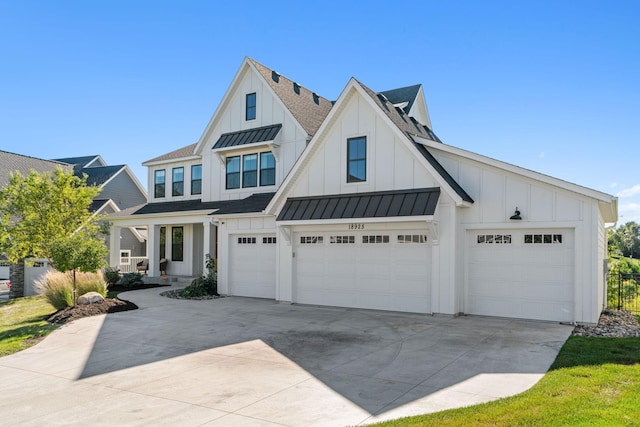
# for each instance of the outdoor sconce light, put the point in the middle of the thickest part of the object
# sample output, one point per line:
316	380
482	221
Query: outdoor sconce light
516	215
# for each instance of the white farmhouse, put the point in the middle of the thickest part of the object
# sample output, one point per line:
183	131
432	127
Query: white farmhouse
357	203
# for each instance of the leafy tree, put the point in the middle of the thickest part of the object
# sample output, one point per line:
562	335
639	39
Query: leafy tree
625	240
81	251
41	208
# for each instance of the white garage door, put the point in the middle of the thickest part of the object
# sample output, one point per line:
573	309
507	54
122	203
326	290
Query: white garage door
252	272
521	273
377	270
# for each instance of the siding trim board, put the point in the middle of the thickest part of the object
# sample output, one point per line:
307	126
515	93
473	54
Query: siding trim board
379	204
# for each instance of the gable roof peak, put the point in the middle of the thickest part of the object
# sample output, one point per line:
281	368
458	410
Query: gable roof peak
307	107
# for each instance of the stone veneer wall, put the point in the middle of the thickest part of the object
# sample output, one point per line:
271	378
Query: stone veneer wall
16	275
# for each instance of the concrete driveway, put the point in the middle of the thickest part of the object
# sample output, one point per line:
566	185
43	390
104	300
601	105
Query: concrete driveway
250	362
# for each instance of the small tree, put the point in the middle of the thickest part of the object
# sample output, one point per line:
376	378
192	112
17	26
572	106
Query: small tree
82	251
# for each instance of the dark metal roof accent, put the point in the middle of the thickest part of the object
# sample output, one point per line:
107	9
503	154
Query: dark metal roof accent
377	204
248	136
254	203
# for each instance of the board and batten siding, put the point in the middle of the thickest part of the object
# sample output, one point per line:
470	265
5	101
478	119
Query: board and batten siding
390	164
269	110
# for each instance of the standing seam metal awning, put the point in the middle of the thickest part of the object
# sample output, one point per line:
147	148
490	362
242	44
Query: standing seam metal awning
379	204
248	136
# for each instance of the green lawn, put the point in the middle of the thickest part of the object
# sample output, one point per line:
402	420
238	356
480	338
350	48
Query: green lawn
23	324
593	382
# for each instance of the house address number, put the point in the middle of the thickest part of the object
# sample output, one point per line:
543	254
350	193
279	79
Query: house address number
356	226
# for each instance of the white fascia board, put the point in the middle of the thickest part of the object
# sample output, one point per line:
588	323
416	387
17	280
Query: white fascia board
594	194
241	215
226	98
143	219
244	147
420	96
168	161
108	203
376	220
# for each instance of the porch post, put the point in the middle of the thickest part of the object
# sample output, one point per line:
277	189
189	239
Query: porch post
153	240
114	246
206	244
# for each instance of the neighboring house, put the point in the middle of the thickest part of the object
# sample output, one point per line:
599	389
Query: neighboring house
357	203
120	189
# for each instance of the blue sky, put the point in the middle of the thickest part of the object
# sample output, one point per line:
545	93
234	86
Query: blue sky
552	86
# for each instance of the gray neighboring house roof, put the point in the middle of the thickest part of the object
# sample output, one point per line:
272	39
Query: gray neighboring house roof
248	136
376	204
99	175
174	155
404	94
78	162
308	108
11	162
98	204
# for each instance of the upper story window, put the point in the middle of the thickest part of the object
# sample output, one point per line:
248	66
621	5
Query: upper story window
357	159
251	106
177	181
250	170
196	179
267	169
233	172
245	173
158	183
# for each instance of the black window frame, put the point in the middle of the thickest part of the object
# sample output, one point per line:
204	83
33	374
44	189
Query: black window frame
354	162
177	186
267	173
250	106
177	243
197	182
249	176
237	173
159	189
163	243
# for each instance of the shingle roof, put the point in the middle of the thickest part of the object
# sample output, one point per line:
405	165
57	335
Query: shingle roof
248	136
99	175
411	126
308	108
11	162
175	155
404	94
97	204
254	203
77	162
397	203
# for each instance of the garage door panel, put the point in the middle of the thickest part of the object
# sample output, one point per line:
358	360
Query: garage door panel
519	279
385	275
252	271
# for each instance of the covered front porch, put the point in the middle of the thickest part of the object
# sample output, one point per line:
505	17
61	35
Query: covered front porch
178	244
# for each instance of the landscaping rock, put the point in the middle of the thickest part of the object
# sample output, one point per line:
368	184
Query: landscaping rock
90	298
612	323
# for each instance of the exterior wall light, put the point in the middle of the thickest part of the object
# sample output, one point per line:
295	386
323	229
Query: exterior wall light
516	215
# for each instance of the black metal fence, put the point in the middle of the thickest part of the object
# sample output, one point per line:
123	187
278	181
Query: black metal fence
624	292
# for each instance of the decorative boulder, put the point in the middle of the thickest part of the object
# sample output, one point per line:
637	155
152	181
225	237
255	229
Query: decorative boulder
90	298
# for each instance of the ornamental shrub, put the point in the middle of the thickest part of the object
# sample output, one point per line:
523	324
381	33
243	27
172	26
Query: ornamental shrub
111	276
129	280
58	287
205	285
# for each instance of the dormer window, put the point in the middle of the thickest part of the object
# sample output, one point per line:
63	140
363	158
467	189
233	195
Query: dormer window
250	113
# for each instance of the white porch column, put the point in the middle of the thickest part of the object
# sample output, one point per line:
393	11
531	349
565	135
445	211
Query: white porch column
153	253
206	245
114	246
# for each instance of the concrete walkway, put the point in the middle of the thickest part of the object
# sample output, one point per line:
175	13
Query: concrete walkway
249	362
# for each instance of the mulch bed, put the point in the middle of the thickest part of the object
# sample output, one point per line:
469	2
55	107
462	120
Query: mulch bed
107	306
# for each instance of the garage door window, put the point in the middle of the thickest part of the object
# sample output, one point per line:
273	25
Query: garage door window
342	239
548	239
375	239
268	240
489	239
246	240
412	238
311	240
